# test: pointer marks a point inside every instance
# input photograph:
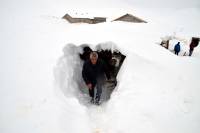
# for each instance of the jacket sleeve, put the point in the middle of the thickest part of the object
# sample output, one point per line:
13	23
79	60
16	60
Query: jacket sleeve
84	74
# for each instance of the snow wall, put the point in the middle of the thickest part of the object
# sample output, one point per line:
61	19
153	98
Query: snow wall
68	72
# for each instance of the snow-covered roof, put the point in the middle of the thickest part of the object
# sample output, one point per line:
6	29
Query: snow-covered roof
130	18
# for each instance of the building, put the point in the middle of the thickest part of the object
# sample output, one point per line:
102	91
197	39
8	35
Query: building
130	18
95	20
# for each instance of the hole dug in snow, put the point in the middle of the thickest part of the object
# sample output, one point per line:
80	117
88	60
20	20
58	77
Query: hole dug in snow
68	72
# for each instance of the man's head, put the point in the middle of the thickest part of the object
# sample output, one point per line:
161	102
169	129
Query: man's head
93	57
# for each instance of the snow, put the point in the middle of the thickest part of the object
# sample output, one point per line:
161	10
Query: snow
40	77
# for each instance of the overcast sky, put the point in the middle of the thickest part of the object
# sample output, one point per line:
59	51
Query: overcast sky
164	3
118	3
37	5
136	3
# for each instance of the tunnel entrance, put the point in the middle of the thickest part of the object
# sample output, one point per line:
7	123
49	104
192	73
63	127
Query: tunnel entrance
113	60
68	71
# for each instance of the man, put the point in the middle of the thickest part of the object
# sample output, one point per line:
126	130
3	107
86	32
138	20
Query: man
93	73
177	48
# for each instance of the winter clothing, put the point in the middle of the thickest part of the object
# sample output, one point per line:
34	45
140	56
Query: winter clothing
92	100
190	52
94	74
99	89
177	48
192	46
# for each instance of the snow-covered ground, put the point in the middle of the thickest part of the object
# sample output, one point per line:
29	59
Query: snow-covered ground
40	75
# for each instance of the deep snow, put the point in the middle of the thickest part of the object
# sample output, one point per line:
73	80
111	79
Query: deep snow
40	72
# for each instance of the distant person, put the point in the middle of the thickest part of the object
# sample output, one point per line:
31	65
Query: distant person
93	73
194	43
192	46
177	48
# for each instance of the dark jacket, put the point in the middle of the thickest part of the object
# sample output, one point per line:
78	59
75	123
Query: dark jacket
177	47
193	45
92	72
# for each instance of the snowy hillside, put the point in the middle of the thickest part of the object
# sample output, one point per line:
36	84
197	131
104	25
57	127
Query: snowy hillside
41	87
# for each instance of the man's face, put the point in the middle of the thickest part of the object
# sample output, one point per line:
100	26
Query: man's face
93	60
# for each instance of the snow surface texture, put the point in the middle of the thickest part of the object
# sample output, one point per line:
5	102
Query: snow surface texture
157	91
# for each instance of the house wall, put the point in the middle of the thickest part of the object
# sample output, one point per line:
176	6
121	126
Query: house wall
84	20
99	20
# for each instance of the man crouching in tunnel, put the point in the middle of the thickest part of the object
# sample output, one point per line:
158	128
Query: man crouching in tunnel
94	71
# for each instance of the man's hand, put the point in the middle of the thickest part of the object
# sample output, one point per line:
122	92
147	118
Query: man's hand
89	86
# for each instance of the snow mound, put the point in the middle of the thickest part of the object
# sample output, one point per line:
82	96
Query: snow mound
150	96
68	72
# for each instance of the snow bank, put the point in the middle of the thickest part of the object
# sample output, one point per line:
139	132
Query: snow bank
142	101
68	71
154	98
157	91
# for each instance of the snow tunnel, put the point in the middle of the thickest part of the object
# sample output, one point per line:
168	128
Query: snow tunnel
113	60
68	72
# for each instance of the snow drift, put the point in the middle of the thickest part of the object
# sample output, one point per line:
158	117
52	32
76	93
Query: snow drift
156	92
68	72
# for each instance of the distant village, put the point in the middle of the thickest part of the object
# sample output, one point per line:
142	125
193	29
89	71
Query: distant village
127	18
168	43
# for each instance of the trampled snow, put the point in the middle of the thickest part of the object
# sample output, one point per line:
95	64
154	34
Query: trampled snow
42	90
